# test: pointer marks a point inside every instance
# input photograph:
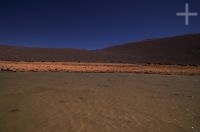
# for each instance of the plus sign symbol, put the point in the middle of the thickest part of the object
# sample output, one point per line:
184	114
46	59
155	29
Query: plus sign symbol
186	14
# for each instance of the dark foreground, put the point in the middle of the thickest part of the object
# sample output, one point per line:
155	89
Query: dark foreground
98	102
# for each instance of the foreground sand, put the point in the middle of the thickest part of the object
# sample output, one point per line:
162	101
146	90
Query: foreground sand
98	67
98	102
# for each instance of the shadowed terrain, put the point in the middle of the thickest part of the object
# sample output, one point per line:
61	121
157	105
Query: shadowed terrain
174	50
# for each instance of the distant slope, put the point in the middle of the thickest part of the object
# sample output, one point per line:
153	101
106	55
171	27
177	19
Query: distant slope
175	50
42	54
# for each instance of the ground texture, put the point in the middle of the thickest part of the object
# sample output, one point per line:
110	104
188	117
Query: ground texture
98	102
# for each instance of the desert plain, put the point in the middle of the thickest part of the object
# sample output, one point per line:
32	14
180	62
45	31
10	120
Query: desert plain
98	102
145	86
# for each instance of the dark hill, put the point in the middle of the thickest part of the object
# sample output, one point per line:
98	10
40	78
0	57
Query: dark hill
175	50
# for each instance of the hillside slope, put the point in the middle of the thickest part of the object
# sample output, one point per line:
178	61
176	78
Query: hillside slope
174	50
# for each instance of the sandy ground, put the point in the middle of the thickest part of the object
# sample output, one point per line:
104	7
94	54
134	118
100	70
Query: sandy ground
98	67
98	102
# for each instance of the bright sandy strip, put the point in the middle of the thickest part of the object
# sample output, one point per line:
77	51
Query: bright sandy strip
98	67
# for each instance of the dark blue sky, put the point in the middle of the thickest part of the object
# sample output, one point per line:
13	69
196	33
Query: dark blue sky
92	24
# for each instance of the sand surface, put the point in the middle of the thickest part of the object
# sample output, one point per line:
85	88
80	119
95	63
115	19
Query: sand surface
98	102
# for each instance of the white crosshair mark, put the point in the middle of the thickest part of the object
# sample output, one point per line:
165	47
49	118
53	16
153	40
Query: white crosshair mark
186	14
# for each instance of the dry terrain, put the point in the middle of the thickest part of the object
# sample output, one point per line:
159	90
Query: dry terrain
75	90
98	102
98	67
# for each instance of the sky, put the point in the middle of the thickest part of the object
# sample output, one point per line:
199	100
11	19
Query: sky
92	24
